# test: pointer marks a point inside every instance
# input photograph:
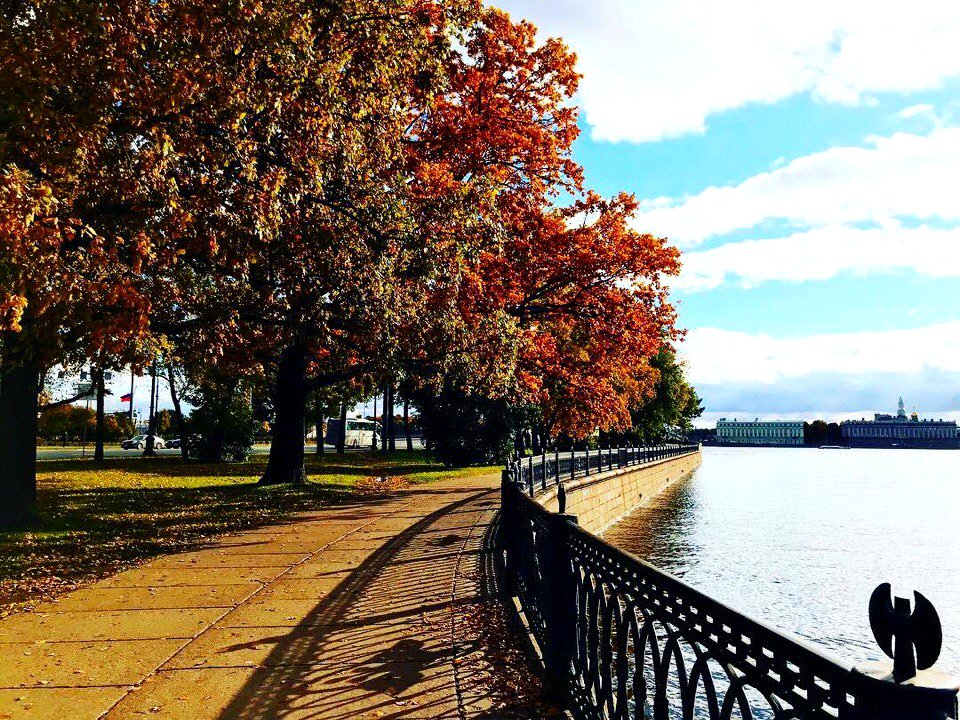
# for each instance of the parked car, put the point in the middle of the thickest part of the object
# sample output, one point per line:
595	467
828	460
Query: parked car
139	442
173	443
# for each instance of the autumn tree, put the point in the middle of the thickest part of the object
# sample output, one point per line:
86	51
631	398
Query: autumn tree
315	193
674	404
359	268
572	297
132	135
64	295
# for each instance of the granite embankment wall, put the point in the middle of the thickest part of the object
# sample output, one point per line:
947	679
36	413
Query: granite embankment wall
600	500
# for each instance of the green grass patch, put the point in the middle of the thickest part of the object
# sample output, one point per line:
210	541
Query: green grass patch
99	519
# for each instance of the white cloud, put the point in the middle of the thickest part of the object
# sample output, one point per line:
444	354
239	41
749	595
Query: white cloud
828	376
921	111
821	254
903	175
656	69
717	357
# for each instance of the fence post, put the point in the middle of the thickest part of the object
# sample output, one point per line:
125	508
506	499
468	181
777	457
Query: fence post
573	463
556	466
561	610
586	471
908	688
933	697
508	533
543	468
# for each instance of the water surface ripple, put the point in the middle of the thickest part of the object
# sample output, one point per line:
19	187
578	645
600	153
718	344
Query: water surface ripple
800	537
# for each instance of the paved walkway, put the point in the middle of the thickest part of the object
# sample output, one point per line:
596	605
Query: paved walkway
375	609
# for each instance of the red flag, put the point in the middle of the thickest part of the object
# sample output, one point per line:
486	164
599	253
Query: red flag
126	398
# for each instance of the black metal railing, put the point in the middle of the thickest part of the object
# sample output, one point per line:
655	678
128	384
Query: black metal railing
538	472
622	639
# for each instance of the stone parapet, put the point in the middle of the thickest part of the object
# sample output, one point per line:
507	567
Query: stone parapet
601	499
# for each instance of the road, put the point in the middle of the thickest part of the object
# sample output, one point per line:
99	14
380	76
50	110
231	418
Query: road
115	451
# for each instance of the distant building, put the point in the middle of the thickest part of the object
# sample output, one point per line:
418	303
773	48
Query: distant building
760	432
898	430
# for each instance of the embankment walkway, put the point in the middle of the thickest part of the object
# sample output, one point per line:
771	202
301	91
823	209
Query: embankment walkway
380	608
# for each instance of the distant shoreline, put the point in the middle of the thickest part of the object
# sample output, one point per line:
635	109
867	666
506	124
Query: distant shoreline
831	447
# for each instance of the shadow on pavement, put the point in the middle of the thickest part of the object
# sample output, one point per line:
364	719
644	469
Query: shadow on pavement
382	643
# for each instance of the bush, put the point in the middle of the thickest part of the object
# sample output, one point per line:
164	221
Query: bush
221	429
461	429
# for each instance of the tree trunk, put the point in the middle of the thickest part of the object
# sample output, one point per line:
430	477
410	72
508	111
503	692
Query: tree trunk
290	405
318	416
342	430
390	420
373	443
406	423
98	436
152	423
177	411
18	446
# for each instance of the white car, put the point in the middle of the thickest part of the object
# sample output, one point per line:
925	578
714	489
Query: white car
139	442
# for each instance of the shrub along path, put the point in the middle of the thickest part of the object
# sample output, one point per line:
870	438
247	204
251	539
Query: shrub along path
375	608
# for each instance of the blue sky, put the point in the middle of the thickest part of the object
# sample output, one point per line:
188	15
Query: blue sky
806	159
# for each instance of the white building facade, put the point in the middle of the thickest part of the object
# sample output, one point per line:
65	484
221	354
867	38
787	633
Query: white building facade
900	431
760	432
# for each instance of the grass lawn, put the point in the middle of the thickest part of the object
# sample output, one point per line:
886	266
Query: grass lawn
96	520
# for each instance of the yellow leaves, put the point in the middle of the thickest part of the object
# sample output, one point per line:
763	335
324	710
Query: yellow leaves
11	312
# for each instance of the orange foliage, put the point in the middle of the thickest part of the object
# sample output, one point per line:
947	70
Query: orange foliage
563	306
375	185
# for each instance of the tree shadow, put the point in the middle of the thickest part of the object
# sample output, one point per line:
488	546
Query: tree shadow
378	642
395	638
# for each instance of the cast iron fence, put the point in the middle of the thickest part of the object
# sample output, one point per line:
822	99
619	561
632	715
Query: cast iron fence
538	472
622	639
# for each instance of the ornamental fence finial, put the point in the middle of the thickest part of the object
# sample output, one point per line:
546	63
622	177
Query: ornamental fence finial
899	632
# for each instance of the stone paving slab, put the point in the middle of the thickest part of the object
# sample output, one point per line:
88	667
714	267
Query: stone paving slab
208	559
272	612
342	613
84	664
88	625
49	703
147	577
104	597
317	645
328	565
314	589
269	548
295	695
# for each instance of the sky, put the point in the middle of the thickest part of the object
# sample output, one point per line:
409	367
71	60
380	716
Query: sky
805	157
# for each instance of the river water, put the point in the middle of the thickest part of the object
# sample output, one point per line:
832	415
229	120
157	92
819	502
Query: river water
799	537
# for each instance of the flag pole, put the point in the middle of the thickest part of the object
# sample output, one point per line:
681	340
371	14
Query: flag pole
131	396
